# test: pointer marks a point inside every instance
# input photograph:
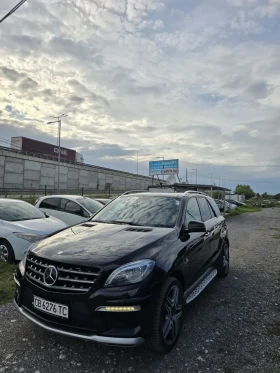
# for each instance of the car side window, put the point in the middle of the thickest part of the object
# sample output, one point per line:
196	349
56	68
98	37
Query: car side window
214	206
205	210
73	208
63	203
192	211
50	203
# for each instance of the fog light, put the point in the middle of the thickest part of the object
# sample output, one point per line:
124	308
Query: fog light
119	309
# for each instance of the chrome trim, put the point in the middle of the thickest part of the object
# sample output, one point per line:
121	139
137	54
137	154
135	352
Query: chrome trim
61	269
57	287
74	280
103	309
16	280
94	338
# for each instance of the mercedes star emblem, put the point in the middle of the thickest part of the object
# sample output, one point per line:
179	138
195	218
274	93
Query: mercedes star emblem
50	275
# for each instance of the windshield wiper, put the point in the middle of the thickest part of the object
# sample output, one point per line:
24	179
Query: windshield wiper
123	222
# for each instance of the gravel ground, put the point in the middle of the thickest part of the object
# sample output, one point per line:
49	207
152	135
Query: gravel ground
228	328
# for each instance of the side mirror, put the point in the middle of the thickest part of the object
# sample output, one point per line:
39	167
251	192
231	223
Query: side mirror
46	215
196	226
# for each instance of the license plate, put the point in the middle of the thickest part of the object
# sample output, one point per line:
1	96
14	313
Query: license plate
52	308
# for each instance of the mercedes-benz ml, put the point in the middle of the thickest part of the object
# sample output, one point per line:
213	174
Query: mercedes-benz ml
124	276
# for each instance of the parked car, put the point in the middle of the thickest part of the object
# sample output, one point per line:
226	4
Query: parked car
21	224
123	277
70	209
237	203
225	205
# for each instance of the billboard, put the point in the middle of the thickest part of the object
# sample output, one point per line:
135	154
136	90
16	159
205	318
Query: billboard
34	146
164	167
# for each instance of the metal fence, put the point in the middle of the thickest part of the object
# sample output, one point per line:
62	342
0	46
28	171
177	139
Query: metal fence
31	195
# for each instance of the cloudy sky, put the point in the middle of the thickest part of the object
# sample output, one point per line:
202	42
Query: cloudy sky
197	80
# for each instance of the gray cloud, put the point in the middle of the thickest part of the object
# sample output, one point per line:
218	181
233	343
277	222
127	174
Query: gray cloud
28	84
260	89
76	99
11	74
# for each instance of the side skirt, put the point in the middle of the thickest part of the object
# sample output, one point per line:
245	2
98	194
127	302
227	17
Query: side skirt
199	285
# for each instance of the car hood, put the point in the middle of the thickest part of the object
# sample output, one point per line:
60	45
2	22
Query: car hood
100	244
44	226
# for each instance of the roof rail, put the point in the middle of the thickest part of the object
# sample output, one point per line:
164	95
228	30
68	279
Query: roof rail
134	191
195	192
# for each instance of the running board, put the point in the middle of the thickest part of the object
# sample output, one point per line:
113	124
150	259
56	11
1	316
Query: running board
201	285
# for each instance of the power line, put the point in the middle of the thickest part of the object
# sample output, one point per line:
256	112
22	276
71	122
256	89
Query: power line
13	10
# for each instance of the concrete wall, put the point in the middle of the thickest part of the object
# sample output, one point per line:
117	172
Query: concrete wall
21	171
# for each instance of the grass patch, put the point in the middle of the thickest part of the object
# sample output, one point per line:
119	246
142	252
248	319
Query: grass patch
275	329
7	284
241	210
276	236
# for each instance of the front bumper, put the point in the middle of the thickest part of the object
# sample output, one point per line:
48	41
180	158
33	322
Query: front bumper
86	319
94	338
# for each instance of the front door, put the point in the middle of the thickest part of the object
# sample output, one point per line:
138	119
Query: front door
198	243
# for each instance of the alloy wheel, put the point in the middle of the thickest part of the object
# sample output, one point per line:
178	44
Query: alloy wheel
173	311
4	253
226	256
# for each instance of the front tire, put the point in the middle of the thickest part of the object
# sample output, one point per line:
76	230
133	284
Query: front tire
223	261
167	317
7	254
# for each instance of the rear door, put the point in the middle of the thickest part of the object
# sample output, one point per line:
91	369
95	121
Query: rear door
71	212
50	206
209	219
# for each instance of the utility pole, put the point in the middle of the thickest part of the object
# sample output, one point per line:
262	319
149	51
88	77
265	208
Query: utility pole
186	175
59	150
211	185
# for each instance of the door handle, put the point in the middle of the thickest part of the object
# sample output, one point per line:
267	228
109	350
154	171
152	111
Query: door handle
207	234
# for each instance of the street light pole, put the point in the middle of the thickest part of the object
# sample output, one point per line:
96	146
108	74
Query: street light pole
59	150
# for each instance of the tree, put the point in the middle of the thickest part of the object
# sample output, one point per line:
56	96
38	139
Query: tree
265	195
244	189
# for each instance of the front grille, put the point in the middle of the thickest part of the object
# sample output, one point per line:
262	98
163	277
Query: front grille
71	278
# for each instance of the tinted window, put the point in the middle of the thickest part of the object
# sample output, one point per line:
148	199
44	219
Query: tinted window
153	211
73	208
90	204
214	207
50	203
18	211
192	211
205	209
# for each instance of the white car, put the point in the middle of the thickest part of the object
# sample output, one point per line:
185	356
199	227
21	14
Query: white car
21	224
70	209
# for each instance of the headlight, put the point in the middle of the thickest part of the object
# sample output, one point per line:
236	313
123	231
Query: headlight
28	236
130	273
22	264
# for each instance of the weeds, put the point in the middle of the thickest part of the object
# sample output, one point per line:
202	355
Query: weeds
7	284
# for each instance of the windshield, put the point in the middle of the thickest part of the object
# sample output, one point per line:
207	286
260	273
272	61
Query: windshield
90	205
18	211
153	211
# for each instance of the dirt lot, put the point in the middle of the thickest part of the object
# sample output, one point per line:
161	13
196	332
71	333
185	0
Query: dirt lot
234	326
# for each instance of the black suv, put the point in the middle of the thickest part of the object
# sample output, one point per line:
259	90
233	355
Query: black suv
123	277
